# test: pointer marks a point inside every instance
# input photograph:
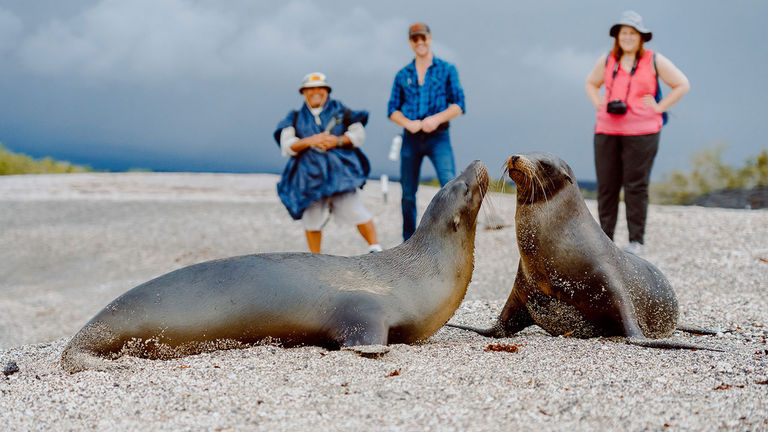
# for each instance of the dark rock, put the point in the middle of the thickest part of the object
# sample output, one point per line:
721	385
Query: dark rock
756	198
10	368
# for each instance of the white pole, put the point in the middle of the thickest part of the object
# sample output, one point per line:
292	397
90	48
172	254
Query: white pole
384	186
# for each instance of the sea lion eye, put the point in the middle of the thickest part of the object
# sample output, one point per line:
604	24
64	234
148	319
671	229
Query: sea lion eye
464	186
456	221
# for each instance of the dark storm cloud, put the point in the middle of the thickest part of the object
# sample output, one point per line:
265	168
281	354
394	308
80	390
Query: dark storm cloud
199	85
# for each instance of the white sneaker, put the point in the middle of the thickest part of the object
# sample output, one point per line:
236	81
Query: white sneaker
635	248
375	248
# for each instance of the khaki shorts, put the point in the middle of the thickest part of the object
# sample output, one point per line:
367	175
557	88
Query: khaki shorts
346	208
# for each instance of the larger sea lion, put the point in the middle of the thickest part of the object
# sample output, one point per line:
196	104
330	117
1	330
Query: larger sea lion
571	278
401	295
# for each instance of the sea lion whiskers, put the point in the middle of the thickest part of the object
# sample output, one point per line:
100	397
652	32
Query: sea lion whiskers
479	179
537	181
490	214
485	194
491	217
504	173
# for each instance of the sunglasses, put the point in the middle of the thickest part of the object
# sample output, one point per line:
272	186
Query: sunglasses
416	38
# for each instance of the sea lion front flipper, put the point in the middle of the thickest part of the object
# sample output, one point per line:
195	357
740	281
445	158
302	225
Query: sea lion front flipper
497	331
368	351
513	318
360	322
368	331
515	315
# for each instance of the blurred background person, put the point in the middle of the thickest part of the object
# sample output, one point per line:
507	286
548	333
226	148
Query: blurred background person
325	167
629	121
426	95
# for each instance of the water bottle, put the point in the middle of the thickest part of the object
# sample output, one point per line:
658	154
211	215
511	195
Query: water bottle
384	186
394	150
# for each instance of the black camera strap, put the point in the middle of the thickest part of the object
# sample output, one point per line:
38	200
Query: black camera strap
629	84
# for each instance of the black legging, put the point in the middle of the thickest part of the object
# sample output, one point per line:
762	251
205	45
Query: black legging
624	161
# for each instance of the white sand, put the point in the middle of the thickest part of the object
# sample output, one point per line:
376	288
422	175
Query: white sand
69	244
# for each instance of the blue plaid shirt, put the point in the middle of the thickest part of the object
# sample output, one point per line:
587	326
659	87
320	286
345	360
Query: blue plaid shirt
441	88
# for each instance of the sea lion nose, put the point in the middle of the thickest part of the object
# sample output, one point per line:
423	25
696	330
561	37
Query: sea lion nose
512	160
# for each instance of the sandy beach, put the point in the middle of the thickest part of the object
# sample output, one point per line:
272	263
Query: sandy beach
69	244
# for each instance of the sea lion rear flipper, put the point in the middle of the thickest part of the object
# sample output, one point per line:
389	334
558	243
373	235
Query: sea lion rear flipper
696	330
88	347
635	335
78	360
667	344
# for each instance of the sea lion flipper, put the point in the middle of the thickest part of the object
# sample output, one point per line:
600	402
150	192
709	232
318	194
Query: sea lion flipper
364	334
497	331
360	323
513	318
83	349
507	325
78	360
515	315
619	306
369	351
696	330
667	344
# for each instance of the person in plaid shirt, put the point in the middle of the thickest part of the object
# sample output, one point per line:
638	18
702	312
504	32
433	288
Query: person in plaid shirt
426	95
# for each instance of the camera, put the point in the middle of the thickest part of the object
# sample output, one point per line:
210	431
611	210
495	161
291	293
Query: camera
616	106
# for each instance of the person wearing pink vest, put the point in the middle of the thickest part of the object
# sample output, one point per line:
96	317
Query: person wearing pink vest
629	121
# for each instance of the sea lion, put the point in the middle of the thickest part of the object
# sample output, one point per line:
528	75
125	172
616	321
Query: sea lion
572	279
402	295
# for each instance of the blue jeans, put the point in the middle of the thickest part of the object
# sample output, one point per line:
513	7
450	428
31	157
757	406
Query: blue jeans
437	147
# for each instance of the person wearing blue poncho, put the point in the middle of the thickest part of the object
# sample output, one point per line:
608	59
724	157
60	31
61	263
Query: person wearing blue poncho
325	166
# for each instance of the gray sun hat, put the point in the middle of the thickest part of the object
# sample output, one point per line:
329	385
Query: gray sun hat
314	79
634	20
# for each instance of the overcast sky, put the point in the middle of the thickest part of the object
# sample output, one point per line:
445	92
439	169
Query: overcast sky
200	85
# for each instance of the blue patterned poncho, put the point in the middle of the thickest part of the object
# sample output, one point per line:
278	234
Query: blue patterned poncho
311	175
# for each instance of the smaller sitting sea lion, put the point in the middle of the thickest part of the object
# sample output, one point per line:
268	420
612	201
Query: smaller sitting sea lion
572	279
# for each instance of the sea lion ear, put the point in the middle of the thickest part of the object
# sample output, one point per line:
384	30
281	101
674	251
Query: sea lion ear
456	221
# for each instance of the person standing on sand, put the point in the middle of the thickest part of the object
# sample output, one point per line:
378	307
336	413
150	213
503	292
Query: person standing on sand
426	95
325	166
629	121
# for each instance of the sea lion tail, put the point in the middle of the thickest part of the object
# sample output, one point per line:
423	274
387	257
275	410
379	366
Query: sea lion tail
667	344
497	331
75	359
87	348
696	330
